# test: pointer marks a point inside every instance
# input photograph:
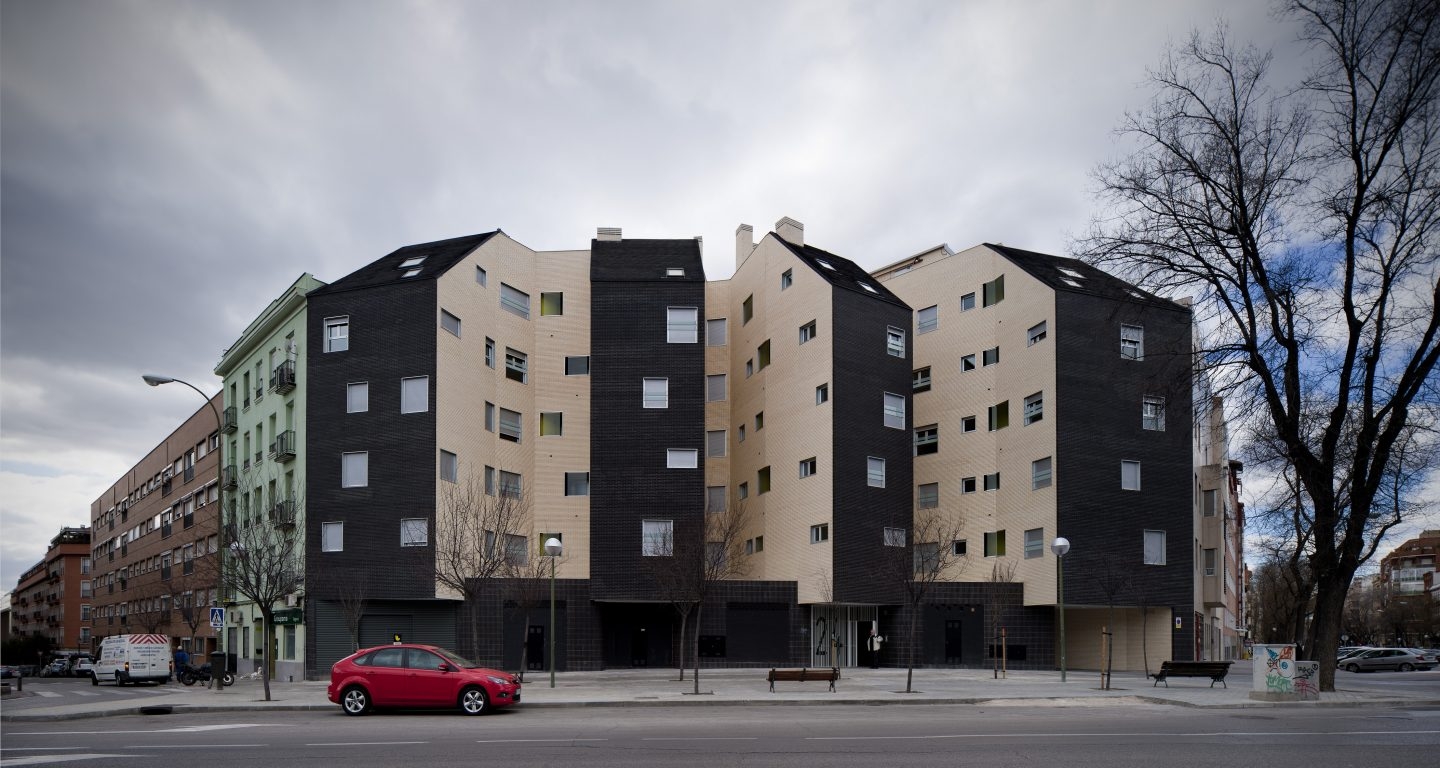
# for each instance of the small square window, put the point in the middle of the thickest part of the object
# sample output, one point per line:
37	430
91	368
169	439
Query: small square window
875	472
1130	475
715	332
332	537
822	394
807	467
337	334
511	485
715	388
1035	335
967	424
807	331
509	425
999	416
819	533
577	483
415	394
1152	413
715	444
657	538
682	325
450	323
894	537
577	365
357	397
967	485
682	458
990	357
787	278
414	532
552	304
927	496
895	341
927	440
995	544
449	466
927	319
552	424
958	547
992	481
967	363
920	380
1034	408
355	469
655	393
967	302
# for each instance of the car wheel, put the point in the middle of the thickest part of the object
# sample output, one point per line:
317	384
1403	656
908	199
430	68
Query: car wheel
1352	667
119	679
355	700
473	701
1407	667
94	679
227	680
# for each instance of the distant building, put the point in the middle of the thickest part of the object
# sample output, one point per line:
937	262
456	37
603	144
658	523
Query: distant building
1409	569
54	597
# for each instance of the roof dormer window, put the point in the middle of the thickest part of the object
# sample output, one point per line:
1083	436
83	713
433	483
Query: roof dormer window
413	261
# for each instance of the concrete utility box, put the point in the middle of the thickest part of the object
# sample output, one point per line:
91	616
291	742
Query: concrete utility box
1278	676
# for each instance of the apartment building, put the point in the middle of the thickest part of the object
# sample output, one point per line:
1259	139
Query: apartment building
154	533
1220	622
263	375
1409	569
54	597
1052	399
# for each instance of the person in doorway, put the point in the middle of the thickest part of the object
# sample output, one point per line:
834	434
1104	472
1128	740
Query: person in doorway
873	644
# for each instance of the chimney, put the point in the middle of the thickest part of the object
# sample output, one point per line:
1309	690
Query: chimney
607	233
790	230
744	243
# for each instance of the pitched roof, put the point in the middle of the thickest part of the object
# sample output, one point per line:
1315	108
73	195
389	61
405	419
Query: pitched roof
1076	276
423	261
842	272
638	260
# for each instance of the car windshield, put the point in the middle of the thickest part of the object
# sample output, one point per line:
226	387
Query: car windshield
456	659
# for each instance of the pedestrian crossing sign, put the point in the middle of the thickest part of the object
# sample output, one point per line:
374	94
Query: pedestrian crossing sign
217	617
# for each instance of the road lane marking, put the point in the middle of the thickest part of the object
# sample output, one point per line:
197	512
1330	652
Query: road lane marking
533	741
192	746
699	738
362	743
49	694
1150	734
46	759
177	729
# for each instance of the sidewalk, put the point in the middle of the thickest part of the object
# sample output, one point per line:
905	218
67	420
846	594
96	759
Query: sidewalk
732	687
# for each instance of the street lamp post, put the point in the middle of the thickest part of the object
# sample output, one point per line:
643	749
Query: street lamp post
1060	546
156	381
553	548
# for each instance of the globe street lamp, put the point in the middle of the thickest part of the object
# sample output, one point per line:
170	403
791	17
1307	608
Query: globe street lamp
1060	546
553	548
156	381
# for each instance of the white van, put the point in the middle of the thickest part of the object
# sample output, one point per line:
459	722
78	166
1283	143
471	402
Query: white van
133	659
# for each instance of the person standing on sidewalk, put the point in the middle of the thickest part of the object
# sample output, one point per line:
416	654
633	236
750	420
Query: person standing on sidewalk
182	660
873	644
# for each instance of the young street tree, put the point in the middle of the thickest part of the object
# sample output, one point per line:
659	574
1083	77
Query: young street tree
349	589
913	567
1307	220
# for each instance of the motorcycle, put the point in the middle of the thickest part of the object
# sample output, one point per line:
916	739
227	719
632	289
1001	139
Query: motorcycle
201	674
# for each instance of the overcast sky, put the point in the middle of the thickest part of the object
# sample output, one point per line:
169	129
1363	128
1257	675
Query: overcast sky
169	168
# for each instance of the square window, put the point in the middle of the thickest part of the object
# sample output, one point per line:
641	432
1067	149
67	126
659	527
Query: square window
787	278
894	411
1152	413
1035	335
450	323
577	365
355	469
1034	543
990	357
967	363
920	380
552	424
357	397
927	496
927	320
577	483
874	472
1154	548
993	292
894	341
415	394
967	485
480	276
337	334
808	467
682	325
715	388
514	301
807	331
511	484
992	481
414	532
995	544
509	425
332	537
819	533
927	440
1040	474
715	444
822	394
958	547
715	498
1034	408
999	416
967	302
489	352
894	537
655	393
762	480
747	309
1132	342
449	466
1130	475
552	304
517	365
657	538
715	332
682	458
967	424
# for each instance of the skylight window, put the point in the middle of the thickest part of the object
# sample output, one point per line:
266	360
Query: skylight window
1136	293
413	261
411	273
1070	282
825	264
1072	273
869	287
675	272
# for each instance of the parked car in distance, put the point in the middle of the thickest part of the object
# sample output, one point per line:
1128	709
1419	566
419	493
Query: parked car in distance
407	675
7	671
83	667
1345	653
1400	659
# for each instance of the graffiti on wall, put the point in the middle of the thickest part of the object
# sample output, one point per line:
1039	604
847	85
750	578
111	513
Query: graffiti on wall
1280	669
1307	680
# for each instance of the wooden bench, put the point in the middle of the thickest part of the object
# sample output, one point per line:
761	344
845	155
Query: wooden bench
1215	670
805	675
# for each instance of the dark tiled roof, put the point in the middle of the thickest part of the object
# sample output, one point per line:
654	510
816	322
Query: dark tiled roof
645	260
1087	279
439	257
842	273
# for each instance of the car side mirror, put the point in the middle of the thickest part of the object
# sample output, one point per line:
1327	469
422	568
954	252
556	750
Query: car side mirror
443	667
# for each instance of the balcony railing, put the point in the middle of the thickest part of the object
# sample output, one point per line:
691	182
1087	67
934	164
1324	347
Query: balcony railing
189	473
229	478
283	514
283	449
284	377
230	420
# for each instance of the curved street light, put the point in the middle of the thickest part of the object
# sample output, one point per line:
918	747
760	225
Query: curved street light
1060	546
553	549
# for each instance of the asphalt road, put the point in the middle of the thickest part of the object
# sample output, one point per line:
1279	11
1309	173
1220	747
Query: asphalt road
699	737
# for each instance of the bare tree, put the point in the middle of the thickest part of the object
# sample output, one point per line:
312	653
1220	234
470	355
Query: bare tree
349	589
1307	219
190	590
149	608
1113	579
1001	572
913	568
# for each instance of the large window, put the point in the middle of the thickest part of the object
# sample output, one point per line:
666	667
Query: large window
894	410
682	325
999	416
1040	473
715	387
927	440
512	485
577	483
875	472
517	365
552	424
357	397
577	365
415	394
993	292
332	537
682	458
1035	335
995	544
450	323
655	393
337	335
1130	475
895	341
715	444
1132	342
1154	547
992	481
927	496
355	469
927	320
1152	413
715	498
894	537
552	304
920	379
449	466
657	538
509	425
990	357
715	332
514	301
414	532
1034	543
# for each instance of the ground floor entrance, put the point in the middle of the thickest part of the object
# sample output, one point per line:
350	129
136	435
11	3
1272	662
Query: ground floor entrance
838	634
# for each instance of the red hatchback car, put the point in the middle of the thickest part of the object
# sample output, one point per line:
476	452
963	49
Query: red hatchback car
406	675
